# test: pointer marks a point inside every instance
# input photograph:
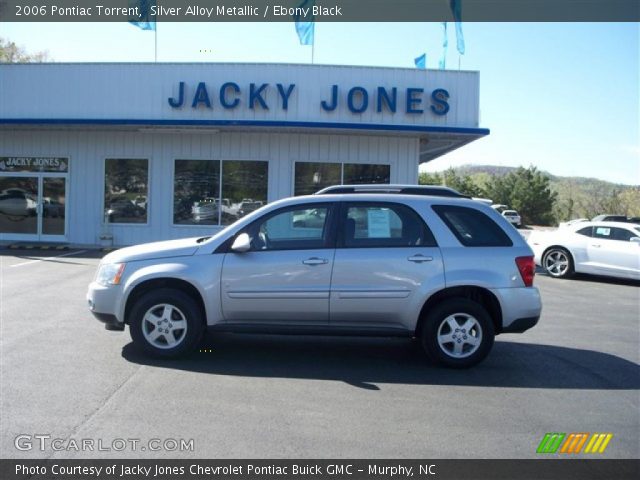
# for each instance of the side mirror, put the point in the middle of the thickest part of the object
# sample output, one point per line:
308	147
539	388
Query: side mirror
242	243
635	240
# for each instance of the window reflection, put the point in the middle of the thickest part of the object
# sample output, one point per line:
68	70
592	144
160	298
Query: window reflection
125	190
195	192
311	177
358	174
244	188
197	198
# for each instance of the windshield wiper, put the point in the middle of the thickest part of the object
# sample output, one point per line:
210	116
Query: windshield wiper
203	239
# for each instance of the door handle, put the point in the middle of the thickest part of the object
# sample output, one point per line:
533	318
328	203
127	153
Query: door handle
315	261
419	258
597	245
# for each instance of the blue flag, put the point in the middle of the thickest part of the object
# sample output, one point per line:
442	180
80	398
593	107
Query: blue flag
456	9
145	21
305	30
445	43
421	61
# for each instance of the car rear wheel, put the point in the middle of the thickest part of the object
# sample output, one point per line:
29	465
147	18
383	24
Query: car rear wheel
458	333
166	323
558	263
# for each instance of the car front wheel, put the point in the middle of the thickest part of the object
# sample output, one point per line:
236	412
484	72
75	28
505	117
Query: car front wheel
166	323
458	333
557	263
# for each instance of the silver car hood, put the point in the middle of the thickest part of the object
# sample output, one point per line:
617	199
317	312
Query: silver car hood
149	251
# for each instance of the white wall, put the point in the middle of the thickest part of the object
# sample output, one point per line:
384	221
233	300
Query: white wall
87	150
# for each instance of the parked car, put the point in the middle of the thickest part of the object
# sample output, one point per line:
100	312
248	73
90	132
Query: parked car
610	218
205	210
600	248
572	222
123	208
449	271
15	202
512	216
248	206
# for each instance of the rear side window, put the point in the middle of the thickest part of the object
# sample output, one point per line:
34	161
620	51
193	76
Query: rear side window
380	225
585	231
472	227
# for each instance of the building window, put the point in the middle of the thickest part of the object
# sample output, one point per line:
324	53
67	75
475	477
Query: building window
244	188
201	198
358	174
311	177
126	182
196	191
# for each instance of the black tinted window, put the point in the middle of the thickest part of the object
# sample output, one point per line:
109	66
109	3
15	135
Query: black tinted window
585	231
472	227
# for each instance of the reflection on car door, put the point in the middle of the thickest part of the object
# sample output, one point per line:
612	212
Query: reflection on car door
286	275
385	255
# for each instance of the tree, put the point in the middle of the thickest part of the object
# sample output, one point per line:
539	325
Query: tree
450	178
462	183
12	53
429	179
527	191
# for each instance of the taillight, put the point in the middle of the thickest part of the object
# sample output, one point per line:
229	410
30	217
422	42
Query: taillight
527	268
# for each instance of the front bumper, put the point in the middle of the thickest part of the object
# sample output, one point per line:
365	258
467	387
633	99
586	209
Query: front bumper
103	304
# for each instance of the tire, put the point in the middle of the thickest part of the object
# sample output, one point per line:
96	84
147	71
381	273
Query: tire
473	339
155	320
558	263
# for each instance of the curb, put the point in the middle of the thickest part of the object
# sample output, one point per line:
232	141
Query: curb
19	246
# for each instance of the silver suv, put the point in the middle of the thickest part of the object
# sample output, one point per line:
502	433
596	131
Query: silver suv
446	269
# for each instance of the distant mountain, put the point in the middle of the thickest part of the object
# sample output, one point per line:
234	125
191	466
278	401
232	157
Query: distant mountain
576	196
500	170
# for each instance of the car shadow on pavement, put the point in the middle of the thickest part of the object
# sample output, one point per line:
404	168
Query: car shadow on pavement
367	362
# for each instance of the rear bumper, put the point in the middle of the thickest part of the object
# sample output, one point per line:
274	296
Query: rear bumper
521	325
521	308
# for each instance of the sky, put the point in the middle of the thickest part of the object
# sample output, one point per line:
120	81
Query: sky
561	96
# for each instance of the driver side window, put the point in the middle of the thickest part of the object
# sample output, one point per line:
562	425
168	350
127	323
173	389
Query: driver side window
292	229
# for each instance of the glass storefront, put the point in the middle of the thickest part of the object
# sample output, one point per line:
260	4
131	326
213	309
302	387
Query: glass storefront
33	193
18	205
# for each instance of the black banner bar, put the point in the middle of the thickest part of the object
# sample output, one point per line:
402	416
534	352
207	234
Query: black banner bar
542	469
325	11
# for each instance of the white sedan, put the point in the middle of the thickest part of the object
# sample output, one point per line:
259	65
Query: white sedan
599	248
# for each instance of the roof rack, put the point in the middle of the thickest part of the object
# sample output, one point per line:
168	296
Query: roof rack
432	190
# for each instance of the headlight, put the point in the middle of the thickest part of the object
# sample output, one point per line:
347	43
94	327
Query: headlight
110	273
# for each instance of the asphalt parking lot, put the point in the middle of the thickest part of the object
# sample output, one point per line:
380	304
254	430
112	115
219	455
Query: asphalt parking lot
63	375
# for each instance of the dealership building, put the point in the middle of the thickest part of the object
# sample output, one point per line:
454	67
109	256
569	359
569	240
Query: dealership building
121	154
